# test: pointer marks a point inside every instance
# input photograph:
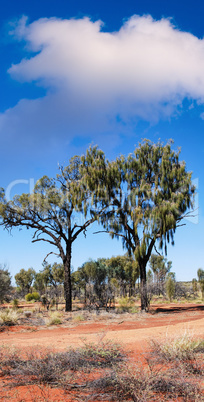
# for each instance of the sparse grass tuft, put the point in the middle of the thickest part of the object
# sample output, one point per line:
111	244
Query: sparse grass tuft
54	318
78	318
9	317
178	348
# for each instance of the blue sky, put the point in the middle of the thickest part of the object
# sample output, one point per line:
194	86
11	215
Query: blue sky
108	73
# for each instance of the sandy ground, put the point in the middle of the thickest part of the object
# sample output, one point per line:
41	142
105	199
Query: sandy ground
135	333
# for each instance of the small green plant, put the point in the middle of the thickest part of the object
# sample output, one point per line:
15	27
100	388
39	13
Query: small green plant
55	318
9	317
78	318
125	304
15	303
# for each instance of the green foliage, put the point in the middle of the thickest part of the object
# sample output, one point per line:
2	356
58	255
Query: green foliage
5	284
78	318
36	296
160	267
200	274
51	208
149	193
32	296
29	297
15	303
195	284
125	304
170	288
141	199
24	279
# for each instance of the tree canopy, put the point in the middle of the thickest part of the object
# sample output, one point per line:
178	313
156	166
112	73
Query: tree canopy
141	199
151	193
51	211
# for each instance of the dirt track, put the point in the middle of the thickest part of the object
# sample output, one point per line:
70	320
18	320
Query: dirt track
136	334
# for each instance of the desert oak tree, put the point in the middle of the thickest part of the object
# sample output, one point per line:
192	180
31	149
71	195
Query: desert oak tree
148	194
52	212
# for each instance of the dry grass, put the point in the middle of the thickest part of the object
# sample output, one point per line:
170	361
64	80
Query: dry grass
9	317
173	370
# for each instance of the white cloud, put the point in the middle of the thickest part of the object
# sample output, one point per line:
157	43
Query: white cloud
144	70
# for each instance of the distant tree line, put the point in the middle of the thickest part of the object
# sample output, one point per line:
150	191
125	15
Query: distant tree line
99	283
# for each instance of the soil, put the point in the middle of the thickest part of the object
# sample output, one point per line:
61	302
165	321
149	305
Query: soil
134	332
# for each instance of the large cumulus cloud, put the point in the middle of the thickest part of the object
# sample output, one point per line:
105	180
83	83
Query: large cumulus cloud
95	80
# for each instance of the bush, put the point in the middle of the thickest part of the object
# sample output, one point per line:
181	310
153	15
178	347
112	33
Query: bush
15	303
45	367
36	296
177	349
29	297
78	318
125	304
32	296
55	318
117	379
8	317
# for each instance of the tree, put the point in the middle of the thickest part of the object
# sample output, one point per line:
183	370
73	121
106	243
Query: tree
160	267
24	279
5	283
53	275
125	270
51	211
148	193
194	284
170	288
200	274
93	276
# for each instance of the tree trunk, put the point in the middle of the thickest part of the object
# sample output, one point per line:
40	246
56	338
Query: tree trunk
143	286
67	280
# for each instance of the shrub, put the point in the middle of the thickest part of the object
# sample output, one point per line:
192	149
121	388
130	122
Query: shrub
125	303
8	317
179	348
116	380
55	318
29	297
35	296
79	317
44	366
15	303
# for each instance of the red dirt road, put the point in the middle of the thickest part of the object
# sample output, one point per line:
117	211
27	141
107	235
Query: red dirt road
136	334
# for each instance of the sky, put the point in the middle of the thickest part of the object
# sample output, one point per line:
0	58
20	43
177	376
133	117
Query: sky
75	73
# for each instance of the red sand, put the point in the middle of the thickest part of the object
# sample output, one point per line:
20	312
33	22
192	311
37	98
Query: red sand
134	335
